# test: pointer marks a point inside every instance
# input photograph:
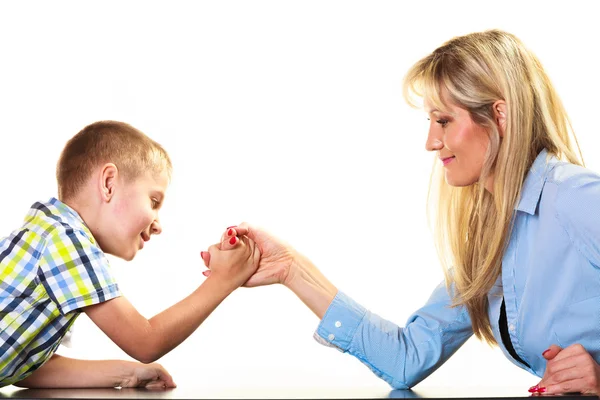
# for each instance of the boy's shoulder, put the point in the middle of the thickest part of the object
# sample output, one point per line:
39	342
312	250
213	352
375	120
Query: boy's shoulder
53	222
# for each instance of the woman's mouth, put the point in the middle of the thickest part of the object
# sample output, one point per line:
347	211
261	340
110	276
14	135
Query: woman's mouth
447	160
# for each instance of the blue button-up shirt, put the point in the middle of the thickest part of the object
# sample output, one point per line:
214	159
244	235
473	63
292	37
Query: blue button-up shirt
550	281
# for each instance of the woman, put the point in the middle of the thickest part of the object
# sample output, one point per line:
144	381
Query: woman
517	225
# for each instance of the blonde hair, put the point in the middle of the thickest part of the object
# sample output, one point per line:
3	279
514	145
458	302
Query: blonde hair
130	150
471	226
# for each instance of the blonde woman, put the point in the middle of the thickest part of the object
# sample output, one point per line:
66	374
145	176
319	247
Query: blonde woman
517	225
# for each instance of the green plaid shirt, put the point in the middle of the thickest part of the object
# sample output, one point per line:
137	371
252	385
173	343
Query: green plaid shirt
49	269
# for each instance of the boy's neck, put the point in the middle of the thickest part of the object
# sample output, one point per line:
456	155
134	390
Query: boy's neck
87	211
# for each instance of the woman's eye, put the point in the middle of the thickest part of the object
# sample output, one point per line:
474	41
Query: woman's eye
442	122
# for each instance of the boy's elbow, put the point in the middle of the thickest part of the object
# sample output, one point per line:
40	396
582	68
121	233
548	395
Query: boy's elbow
145	355
145	352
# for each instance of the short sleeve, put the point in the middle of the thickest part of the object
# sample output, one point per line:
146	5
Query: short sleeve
75	272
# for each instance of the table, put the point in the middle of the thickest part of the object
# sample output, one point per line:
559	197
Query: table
498	393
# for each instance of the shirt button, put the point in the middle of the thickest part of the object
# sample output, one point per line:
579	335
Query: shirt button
338	324
511	328
331	337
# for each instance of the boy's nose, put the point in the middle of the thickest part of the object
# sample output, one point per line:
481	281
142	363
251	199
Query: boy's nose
155	228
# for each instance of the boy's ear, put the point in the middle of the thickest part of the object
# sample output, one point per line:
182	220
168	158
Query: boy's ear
108	180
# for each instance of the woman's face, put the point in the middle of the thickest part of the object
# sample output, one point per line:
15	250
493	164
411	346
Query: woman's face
461	144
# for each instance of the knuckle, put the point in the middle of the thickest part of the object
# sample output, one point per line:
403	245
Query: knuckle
565	387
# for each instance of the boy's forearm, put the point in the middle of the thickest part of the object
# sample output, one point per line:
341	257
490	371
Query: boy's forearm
311	286
63	372
147	340
173	325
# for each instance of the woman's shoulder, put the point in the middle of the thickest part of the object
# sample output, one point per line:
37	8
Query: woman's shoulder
568	176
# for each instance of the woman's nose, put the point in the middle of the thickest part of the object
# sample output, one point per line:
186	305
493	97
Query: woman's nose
433	143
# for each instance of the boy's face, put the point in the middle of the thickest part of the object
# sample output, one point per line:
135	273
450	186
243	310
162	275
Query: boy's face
134	214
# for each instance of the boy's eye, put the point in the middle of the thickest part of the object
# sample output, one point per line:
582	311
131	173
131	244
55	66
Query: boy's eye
155	203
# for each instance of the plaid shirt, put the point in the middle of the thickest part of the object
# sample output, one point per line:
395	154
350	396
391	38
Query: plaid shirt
49	269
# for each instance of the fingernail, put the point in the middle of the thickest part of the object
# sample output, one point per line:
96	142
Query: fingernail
233	226
545	351
533	389
232	240
541	389
230	232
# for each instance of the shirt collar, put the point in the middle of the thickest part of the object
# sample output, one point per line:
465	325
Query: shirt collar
65	213
534	182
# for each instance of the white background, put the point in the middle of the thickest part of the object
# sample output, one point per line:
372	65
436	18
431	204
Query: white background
284	114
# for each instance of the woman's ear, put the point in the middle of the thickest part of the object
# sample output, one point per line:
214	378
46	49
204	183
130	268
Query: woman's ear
499	110
107	181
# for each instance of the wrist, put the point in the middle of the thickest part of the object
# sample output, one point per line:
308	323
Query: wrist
294	273
125	374
220	286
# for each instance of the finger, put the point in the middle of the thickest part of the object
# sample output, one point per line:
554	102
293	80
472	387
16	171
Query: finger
566	368
551	352
229	243
166	377
205	257
243	229
563	375
578	385
229	232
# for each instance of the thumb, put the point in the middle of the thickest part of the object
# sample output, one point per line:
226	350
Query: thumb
551	352
244	229
205	255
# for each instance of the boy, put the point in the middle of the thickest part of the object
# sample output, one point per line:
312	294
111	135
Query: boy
112	181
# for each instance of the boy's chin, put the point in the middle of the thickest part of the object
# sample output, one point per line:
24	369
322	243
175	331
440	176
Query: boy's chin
130	256
126	256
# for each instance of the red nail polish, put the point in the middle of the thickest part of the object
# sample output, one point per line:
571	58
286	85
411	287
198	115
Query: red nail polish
232	240
533	389
541	390
230	232
545	351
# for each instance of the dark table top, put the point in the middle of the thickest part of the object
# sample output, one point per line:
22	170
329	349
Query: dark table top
279	393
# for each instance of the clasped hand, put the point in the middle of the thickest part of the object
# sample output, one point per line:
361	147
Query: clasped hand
276	258
569	370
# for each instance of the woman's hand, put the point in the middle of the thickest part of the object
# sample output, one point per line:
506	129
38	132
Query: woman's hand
280	263
569	370
276	257
234	259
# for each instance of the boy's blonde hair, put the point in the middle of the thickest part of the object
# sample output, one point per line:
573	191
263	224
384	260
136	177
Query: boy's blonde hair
107	141
472	226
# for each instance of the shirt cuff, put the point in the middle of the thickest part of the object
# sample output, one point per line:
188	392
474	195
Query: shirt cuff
340	322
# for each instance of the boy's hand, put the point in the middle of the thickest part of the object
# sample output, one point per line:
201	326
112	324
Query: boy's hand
234	259
149	376
276	257
63	372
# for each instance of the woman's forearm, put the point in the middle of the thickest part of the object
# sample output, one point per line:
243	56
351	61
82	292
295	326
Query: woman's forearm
310	285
